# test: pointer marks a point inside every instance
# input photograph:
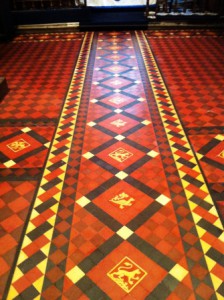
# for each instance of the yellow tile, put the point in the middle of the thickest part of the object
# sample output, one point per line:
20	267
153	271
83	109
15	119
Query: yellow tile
9	164
152	153
204	188
45	249
192	205
178	272
30	227
52	219
47	144
41	191
59	185
208	199
26	241
146	122
75	274
199	156
88	155
181	174
162	199
64	167
200	177
38	284
219	297
218	224
196	217
221	237
188	194
213	211
83	201
185	183
220	137
216	281
61	176
210	263
12	293
49	233
42	266
125	232
176	157
121	175
45	180
17	274
196	168
205	246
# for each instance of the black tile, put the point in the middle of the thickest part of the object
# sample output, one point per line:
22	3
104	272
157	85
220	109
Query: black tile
103	217
32	261
101	189
91	290
186	162
30	293
216	256
213	163
137	164
38	231
104	165
45	205
151	252
206	148
210	228
193	181
144	216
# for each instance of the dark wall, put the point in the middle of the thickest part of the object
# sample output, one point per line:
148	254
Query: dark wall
45	16
211	5
6	21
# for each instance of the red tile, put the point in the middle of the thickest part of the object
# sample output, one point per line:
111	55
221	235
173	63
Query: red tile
94	205
11	223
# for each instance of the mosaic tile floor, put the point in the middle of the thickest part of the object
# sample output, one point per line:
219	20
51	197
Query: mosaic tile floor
111	166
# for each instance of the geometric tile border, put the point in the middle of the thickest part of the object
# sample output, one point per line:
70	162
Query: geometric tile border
175	134
50	189
30	279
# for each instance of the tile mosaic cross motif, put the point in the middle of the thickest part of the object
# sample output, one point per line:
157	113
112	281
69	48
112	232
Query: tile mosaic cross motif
18	145
120	154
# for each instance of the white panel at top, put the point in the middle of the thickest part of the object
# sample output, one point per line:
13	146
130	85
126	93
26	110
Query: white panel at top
118	3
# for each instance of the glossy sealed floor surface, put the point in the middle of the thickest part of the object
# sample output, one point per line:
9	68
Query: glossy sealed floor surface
111	166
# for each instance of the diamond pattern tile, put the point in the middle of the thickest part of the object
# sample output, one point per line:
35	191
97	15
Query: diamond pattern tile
197	95
112	184
24	147
15	201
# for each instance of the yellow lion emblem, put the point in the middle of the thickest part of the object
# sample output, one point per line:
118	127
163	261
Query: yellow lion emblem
127	274
122	200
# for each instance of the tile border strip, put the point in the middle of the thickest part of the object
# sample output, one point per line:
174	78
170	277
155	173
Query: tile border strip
67	124
172	127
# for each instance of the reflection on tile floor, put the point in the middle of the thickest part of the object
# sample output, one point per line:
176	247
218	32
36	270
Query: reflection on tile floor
111	164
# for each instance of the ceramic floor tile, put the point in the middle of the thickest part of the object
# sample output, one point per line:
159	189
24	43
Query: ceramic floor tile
121	176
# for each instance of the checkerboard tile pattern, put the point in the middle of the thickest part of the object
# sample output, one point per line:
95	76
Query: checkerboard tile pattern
197	92
123	209
27	127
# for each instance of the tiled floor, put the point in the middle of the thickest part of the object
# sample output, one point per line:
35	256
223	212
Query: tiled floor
111	166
